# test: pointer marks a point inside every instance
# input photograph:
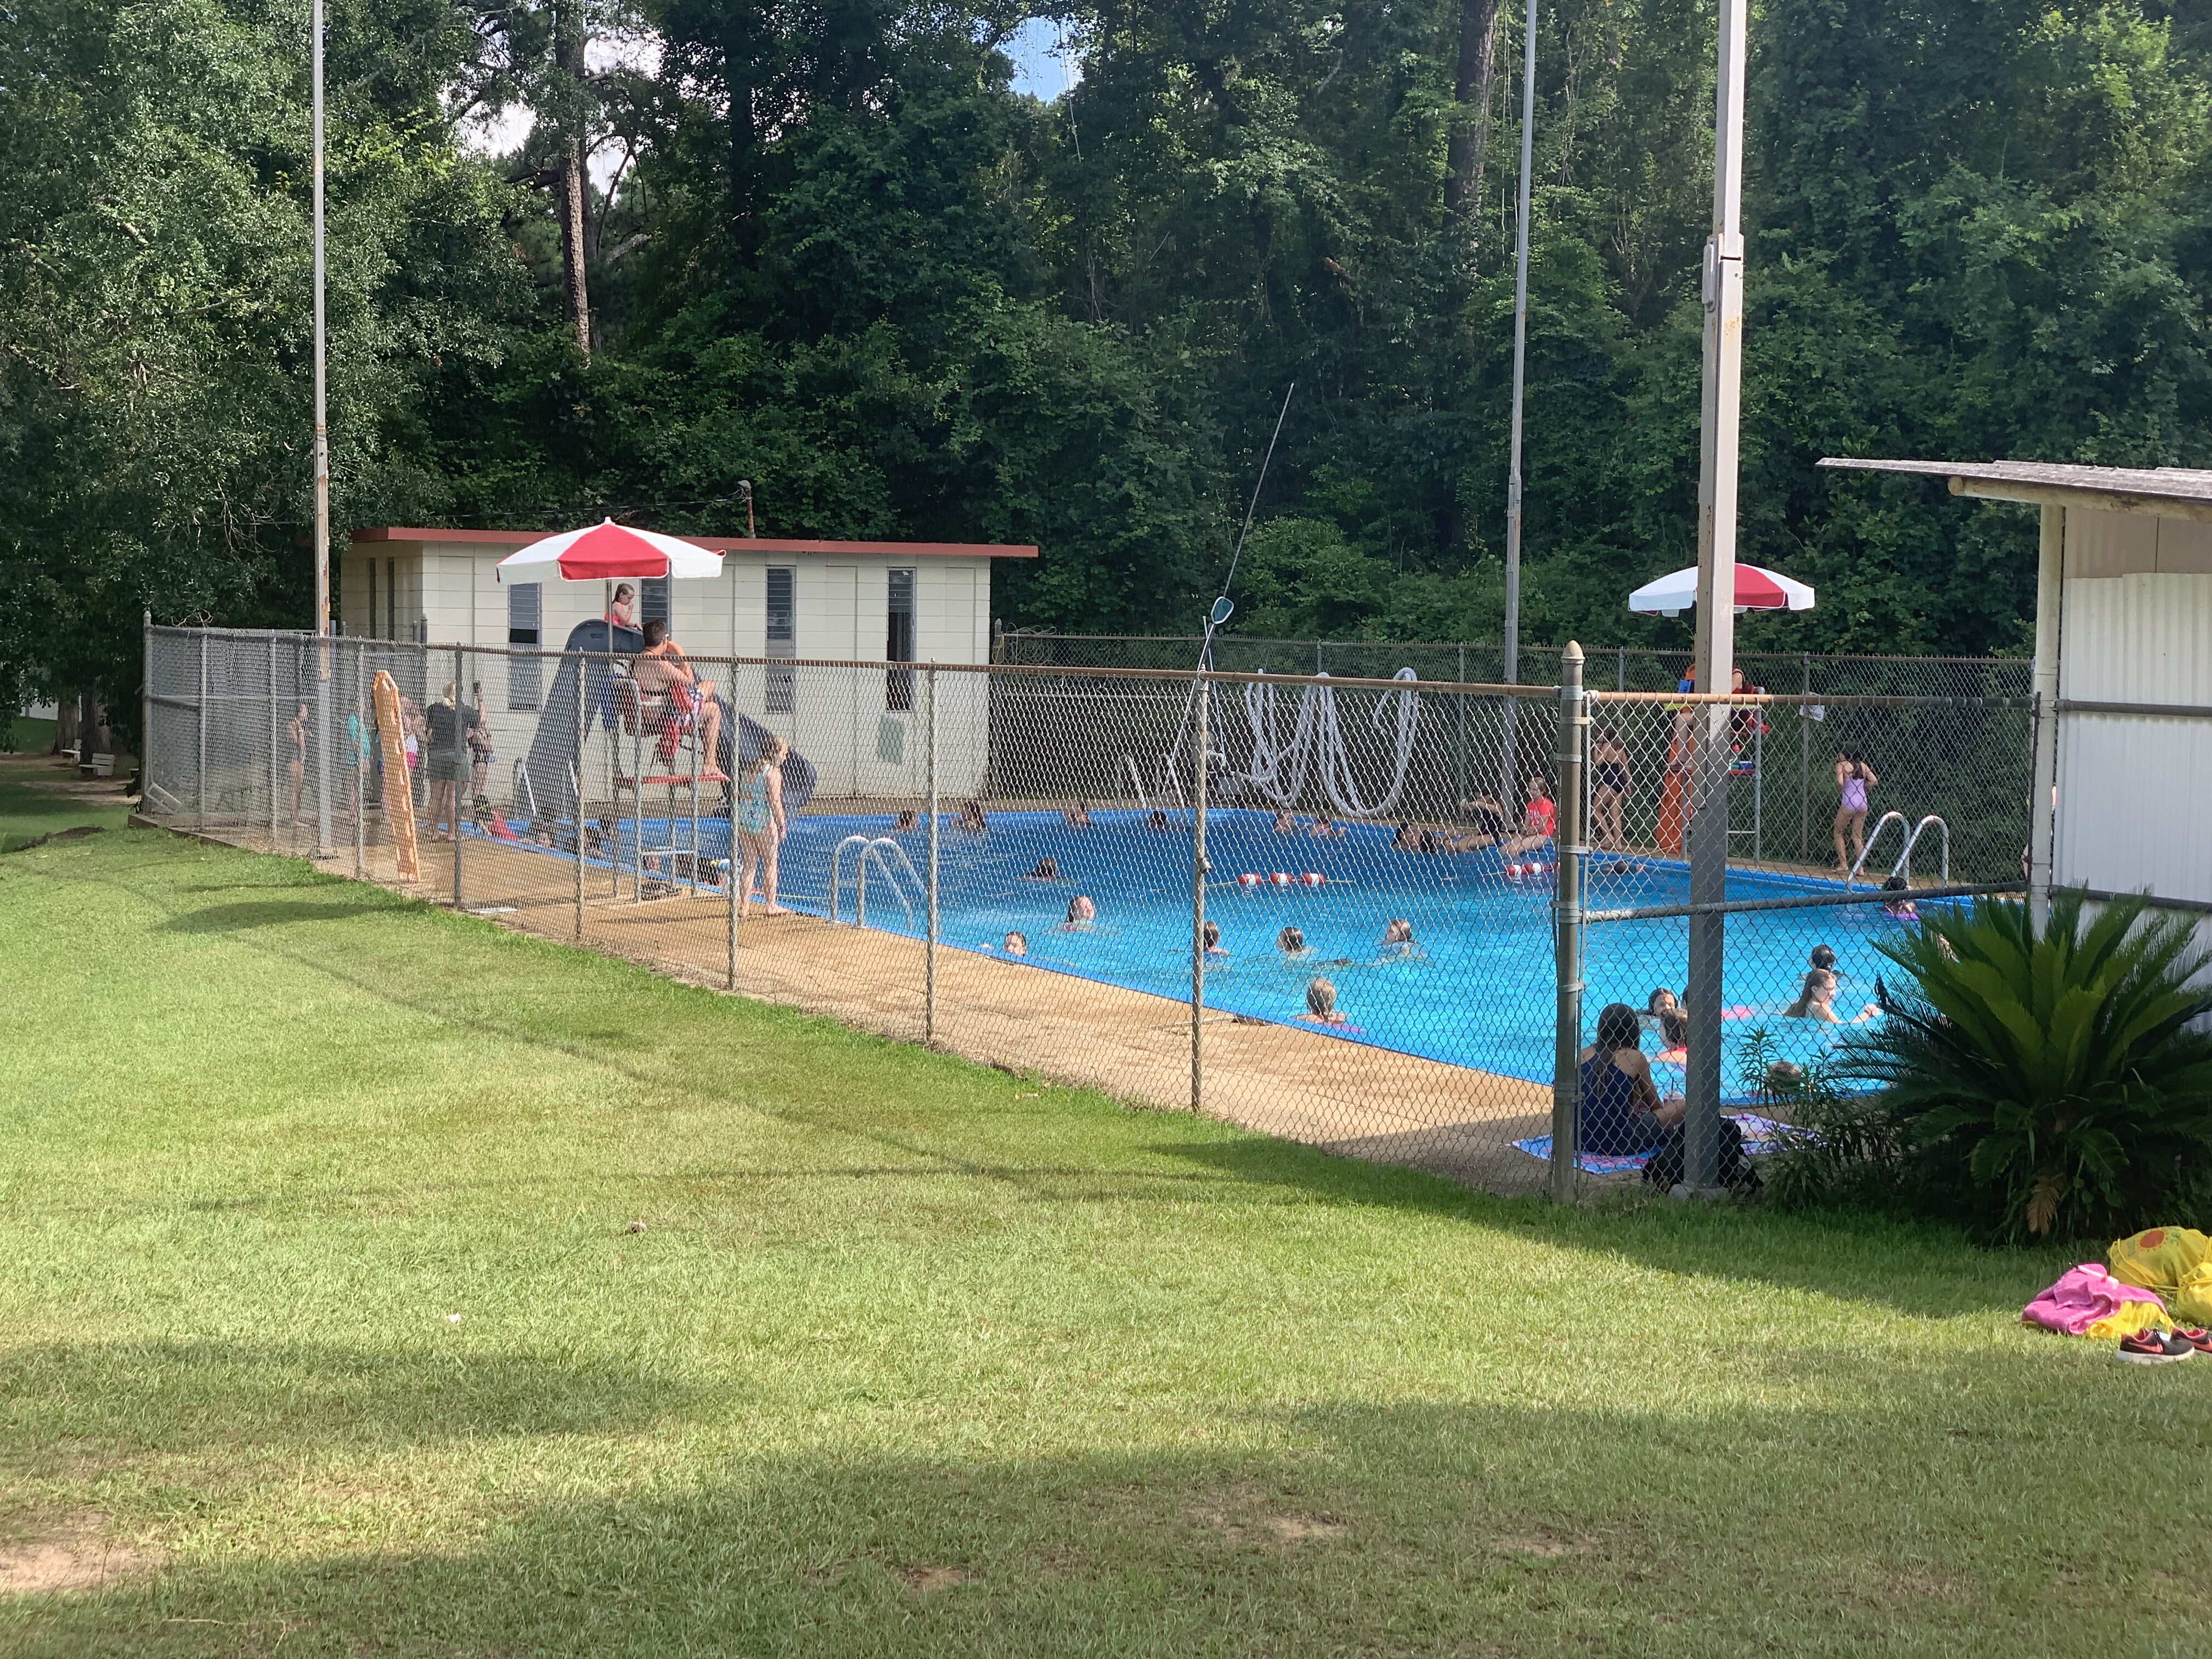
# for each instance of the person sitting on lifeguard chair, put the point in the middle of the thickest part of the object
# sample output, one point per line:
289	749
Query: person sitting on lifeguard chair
661	670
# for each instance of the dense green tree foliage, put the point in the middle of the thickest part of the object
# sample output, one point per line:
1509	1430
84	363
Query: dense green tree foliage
844	259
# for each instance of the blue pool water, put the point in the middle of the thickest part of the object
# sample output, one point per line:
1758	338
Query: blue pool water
1476	990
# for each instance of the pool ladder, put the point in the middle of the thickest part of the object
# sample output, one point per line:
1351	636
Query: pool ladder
1904	864
884	850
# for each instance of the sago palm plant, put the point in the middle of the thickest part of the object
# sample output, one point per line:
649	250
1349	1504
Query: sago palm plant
2060	1082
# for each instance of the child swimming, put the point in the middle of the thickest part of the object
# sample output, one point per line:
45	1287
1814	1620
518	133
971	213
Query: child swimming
1290	942
1321	1005
1016	945
1081	913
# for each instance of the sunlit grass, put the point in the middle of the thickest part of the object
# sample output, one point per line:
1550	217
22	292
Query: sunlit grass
915	1357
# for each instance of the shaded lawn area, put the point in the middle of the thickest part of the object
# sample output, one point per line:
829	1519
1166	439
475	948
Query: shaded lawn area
39	796
914	1357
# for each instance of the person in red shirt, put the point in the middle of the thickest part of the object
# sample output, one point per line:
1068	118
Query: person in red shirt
1538	822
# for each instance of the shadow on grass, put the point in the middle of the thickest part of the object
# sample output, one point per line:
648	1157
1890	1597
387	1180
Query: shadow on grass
1922	1270
192	1397
266	913
1502	1530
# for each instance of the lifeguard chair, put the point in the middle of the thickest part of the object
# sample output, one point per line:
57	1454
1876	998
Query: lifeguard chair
666	752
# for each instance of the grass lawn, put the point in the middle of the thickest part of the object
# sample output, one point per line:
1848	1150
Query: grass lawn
324	1321
40	795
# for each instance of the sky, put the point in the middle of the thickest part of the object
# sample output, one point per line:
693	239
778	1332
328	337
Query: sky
1041	70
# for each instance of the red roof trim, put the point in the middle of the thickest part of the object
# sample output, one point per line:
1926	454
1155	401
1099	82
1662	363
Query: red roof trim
720	543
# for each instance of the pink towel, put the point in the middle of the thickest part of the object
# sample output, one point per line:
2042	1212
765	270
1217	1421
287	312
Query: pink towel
2085	1295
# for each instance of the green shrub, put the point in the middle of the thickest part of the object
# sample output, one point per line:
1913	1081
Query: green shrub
2052	1084
1839	1147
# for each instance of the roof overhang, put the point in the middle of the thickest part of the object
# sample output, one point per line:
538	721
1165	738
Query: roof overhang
2164	492
718	543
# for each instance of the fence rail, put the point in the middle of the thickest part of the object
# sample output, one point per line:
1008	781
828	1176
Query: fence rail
1330	908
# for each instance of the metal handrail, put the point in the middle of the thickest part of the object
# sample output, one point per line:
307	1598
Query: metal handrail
1866	850
866	846
1905	859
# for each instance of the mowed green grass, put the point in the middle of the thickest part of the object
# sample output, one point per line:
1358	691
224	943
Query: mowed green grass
321	1298
33	801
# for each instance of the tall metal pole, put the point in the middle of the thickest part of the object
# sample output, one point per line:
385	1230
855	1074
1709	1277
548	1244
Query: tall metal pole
1508	782
1716	653
1198	872
576	806
460	763
322	481
1567	926
2049	569
929	945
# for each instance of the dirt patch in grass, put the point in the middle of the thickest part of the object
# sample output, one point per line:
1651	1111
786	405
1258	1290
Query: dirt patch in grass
75	1556
1545	1546
923	1580
1241	1515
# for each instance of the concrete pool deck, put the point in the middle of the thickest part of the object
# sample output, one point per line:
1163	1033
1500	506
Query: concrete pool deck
1351	1098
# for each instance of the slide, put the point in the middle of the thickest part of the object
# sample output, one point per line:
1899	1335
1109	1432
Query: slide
549	790
398	783
1672	814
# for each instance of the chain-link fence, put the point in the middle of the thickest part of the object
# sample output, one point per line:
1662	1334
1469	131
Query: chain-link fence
1327	907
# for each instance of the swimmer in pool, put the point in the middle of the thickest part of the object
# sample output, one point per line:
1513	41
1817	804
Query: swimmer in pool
1081	913
1210	934
1661	1003
972	818
1048	869
1321	1005
1900	908
1290	942
1157	820
1015	945
905	821
1285	822
1405	840
1675	1035
1816	1001
1823	958
1325	828
1077	817
1398	938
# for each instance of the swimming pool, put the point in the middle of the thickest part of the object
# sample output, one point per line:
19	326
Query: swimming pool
1476	990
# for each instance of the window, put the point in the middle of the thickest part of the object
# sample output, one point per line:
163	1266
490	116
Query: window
653	600
898	641
523	603
782	635
391	598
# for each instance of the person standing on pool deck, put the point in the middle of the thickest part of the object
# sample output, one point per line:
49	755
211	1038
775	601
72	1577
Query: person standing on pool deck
295	758
1855	779
756	820
1609	788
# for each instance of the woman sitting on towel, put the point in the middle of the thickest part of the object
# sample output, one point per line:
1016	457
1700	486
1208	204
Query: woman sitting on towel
1620	1111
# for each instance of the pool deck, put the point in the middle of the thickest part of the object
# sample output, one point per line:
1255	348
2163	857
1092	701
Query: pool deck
1350	1098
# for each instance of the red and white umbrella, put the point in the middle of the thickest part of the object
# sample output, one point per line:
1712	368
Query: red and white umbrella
609	549
1757	588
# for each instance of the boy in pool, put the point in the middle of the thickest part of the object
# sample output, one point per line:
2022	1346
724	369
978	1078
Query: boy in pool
1211	935
1157	820
905	821
1046	869
1321	1005
1290	942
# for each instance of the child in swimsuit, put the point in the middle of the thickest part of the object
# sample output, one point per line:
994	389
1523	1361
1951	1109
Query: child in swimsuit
756	819
1854	778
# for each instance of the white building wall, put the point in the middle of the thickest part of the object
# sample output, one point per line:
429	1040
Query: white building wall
2135	792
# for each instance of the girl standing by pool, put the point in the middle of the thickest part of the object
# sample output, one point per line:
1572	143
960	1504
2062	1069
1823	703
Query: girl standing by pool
1609	788
1854	779
756	819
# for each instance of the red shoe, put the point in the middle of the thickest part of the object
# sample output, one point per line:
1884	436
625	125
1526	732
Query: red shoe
2198	1338
2155	1348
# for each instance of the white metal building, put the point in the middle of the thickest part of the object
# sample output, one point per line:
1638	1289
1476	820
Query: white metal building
2122	670
816	600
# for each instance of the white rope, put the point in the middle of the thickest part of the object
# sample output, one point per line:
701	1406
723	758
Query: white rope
1280	766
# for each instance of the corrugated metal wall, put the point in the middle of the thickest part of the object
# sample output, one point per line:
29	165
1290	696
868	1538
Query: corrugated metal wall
2135	798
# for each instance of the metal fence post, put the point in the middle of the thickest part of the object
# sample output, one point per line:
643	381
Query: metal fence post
363	736
1567	925
576	803
200	708
929	940
1805	769
460	760
1203	701
145	707
275	765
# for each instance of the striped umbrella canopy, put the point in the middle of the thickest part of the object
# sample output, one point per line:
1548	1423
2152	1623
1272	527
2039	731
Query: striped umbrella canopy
1757	588
608	549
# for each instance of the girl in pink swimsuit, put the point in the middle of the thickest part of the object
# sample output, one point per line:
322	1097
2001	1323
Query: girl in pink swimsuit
1854	778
